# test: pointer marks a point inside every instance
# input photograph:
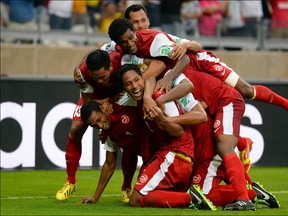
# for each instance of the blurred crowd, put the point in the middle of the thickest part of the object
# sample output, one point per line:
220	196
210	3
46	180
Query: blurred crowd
184	17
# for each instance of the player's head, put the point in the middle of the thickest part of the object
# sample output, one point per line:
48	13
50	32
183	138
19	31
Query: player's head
137	14
93	115
121	31
130	79
99	65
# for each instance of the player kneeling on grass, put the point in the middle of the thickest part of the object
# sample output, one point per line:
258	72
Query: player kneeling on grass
121	128
164	180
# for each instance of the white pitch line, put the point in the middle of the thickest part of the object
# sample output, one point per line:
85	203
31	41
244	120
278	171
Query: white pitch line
111	195
47	197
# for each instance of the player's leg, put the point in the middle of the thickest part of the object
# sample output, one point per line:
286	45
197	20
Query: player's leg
209	63
73	153
260	93
129	164
226	132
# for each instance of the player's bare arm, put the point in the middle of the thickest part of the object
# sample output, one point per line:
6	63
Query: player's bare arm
173	129
179	49
165	83
177	92
106	173
195	117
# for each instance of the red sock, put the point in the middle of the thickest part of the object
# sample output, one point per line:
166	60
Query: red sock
165	199
252	194
241	145
266	95
236	175
73	154
129	165
222	195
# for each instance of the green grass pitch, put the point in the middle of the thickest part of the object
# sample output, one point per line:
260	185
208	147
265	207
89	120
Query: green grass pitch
31	192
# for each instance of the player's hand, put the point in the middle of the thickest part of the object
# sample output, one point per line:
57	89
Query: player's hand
106	107
178	51
88	200
159	117
102	137
148	105
164	84
78	79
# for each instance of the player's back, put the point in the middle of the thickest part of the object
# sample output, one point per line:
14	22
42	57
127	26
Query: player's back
211	90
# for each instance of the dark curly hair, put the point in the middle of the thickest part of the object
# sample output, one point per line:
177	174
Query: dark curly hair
123	69
98	59
118	28
134	8
88	108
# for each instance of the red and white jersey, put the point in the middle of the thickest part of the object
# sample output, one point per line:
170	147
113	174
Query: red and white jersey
102	91
211	90
163	141
128	131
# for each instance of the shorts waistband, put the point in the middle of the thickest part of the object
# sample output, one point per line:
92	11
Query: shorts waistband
183	156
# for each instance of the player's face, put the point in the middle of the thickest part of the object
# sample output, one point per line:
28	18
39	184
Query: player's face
133	84
100	76
128	42
99	120
139	20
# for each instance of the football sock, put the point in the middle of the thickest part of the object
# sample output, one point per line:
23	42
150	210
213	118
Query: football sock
266	95
236	175
73	154
224	194
241	145
165	199
129	165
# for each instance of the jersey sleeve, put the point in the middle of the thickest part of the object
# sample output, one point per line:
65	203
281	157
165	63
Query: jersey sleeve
131	59
87	88
110	146
161	46
127	100
188	102
109	47
177	39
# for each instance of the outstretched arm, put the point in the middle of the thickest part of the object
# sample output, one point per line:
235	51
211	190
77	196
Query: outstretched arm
106	173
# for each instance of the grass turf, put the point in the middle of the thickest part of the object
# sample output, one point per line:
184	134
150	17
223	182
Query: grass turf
32	192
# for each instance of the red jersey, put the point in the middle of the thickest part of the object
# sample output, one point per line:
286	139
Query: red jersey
157	44
163	141
128	130
153	43
109	89
211	90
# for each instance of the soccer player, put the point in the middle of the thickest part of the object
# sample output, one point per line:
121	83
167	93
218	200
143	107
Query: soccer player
213	164
209	172
99	72
123	128
227	102
207	62
164	180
